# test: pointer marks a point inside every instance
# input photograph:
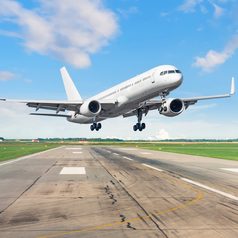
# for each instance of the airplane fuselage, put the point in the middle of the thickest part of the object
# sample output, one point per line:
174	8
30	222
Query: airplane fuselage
134	91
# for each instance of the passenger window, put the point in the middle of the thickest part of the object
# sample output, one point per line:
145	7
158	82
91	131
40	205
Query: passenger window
162	73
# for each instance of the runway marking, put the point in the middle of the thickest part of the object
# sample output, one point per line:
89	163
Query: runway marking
232	170
73	148
77	152
73	170
115	154
160	170
28	156
128	149
145	153
211	189
127	158
138	218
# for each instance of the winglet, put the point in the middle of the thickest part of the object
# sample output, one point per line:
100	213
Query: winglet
71	90
232	86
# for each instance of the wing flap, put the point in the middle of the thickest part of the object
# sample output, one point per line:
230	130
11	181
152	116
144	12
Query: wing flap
51	115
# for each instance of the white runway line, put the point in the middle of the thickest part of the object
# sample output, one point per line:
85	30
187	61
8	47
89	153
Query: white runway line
77	152
73	148
128	149
115	154
211	189
127	158
73	170
232	170
145	153
160	170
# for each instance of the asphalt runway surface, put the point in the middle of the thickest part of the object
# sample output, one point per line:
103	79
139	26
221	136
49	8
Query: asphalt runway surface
95	191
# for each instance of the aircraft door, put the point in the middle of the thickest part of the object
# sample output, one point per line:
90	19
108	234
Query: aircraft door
153	77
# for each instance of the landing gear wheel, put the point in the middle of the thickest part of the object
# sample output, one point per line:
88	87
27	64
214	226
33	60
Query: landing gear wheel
96	126
140	126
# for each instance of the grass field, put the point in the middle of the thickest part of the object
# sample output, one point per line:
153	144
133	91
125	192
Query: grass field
214	150
13	150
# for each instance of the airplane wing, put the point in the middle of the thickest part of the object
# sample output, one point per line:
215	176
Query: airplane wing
156	103
193	100
59	105
56	105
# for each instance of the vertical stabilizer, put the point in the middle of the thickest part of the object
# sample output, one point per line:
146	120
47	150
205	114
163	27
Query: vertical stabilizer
71	90
232	86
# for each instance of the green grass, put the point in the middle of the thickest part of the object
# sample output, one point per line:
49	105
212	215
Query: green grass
15	150
214	150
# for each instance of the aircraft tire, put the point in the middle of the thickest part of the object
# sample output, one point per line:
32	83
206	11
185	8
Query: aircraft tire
135	127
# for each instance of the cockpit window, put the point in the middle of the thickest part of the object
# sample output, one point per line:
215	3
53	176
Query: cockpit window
171	72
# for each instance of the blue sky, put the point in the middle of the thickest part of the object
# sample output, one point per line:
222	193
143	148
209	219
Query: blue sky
103	43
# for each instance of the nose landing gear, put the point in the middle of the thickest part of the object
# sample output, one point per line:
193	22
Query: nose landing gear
139	126
96	126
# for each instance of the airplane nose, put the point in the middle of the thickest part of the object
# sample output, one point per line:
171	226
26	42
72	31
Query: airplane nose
181	78
178	79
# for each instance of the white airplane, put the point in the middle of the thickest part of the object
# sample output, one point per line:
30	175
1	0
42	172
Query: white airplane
135	96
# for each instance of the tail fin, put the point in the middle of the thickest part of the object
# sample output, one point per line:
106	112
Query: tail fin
232	86
71	90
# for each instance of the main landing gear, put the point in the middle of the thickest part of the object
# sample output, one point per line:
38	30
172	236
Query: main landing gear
139	126
96	126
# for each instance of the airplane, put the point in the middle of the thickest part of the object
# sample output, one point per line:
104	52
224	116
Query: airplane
134	97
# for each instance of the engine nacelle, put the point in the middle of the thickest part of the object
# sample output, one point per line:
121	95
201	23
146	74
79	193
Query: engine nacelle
172	107
90	108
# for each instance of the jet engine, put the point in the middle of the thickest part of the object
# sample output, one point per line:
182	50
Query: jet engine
90	108
172	107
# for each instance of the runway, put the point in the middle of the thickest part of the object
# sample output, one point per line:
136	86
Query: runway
94	191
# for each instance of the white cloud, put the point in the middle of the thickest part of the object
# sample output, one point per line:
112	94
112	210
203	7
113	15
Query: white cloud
6	75
189	5
65	30
28	80
162	135
127	13
203	9
163	14
213	58
219	12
